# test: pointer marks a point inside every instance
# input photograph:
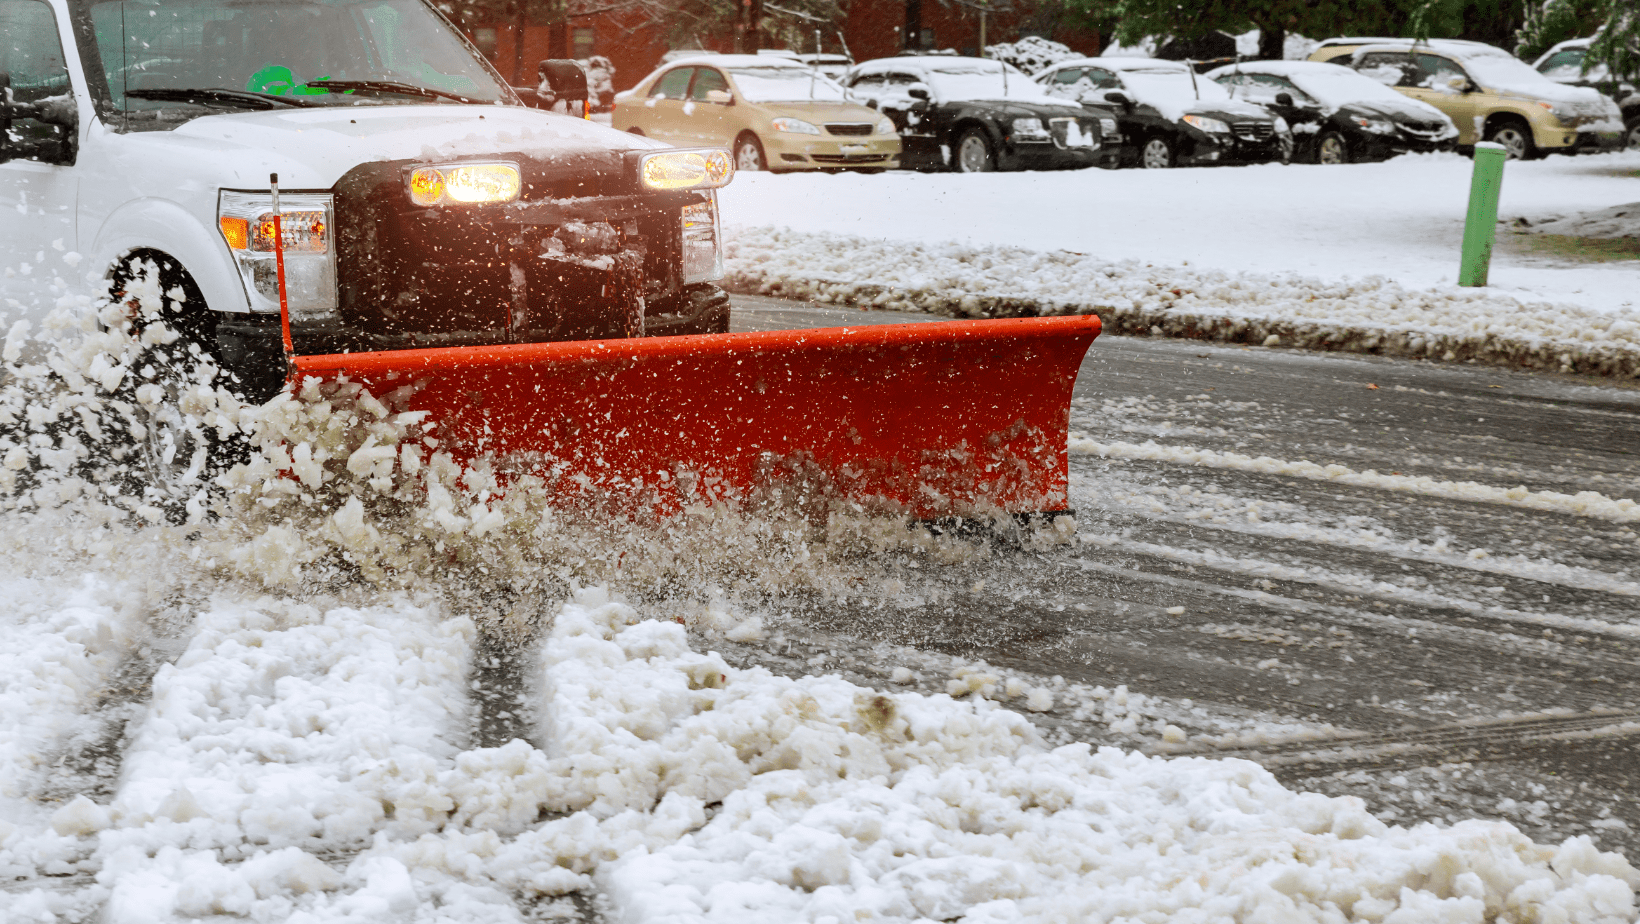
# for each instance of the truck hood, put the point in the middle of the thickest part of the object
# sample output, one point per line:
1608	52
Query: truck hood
313	148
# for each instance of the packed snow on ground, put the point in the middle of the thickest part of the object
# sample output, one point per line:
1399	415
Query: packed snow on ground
1615	222
1360	256
308	756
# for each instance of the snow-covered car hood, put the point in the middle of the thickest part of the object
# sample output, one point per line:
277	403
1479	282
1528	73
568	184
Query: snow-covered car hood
1226	109
1395	111
313	148
1014	108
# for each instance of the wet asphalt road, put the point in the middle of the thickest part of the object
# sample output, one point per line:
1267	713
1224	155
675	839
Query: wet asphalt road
1420	640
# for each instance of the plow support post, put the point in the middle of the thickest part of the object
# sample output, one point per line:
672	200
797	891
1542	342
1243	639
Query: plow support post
935	419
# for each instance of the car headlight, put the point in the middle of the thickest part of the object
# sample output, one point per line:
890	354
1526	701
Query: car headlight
1375	126
702	244
1560	112
464	184
246	222
1029	129
1108	128
1210	125
793	126
673	170
885	126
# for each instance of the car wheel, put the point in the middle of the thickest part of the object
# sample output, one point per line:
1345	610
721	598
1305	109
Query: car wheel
1515	138
1332	149
974	153
749	153
1631	134
1157	154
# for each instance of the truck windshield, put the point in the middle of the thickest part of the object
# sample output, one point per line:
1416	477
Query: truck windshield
381	51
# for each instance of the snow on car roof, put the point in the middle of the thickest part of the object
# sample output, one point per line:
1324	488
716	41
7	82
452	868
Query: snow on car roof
1279	68
1455	48
1125	64
718	60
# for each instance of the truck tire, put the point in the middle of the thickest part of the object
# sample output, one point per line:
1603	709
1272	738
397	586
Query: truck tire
697	309
175	460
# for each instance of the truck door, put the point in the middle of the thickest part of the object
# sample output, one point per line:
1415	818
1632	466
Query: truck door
38	188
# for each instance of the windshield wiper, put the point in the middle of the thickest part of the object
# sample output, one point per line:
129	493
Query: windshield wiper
388	86
202	95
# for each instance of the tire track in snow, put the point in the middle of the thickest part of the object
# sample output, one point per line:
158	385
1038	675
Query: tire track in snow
1584	503
1489	740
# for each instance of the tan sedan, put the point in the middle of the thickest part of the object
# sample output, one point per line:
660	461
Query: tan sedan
774	114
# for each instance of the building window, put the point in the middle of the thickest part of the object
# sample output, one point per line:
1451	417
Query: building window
485	40
926	39
584	41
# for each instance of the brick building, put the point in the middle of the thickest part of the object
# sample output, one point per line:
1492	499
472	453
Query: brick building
870	29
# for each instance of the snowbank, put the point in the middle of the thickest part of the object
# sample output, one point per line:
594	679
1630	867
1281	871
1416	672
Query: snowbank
1617	221
1371	315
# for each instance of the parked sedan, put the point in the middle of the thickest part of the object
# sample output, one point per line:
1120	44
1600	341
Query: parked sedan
1169	115
773	113
1336	114
974	115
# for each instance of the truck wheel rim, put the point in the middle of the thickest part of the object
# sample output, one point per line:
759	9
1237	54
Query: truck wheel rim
174	446
1513	142
1155	154
972	155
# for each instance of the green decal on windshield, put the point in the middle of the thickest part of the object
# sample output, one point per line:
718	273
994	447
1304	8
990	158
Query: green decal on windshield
277	80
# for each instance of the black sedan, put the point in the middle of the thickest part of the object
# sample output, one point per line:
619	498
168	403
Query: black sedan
975	115
1339	115
1168	115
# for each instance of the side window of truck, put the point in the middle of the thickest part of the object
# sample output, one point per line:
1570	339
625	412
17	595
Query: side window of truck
673	84
32	56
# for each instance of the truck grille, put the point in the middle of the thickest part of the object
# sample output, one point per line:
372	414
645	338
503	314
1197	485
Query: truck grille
1254	131
853	129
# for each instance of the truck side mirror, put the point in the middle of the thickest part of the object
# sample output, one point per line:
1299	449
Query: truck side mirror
1118	97
918	91
59	111
567	78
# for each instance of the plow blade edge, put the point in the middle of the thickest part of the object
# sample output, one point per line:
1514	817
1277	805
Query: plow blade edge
957	418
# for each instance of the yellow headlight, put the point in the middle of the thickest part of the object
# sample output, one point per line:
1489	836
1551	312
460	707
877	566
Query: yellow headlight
465	183
686	169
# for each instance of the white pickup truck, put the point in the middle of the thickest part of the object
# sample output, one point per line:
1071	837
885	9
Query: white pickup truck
423	203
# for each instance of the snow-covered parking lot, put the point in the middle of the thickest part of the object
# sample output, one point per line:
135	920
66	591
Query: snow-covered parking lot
1359	257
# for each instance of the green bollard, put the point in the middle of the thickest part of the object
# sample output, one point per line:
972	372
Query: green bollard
1481	225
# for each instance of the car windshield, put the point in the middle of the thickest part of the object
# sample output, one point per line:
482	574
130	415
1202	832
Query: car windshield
1566	66
1170	87
983	80
785	84
1345	87
153	50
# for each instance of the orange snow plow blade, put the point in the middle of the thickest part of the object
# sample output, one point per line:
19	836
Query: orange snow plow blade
958	418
